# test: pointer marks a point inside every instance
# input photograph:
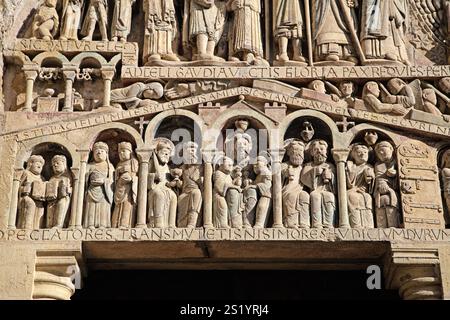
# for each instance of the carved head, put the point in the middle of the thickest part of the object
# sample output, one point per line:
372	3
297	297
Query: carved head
371	138
190	153
296	152
396	85
226	165
176	173
35	164
445	162
444	85
164	151
384	151
317	85
59	164
241	125
243	146
347	88
154	91
360	153
125	151
51	3
261	165
308	131
430	96
100	151
371	87
318	151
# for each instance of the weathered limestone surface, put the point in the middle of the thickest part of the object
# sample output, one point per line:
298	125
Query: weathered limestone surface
173	134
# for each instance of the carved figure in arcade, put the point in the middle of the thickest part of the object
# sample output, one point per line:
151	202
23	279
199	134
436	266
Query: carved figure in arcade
190	199
445	177
238	145
289	26
227	196
384	26
160	31
371	94
386	186
332	27
203	26
97	13
58	193
246	40
32	195
320	177
71	17
162	200
121	21
126	185
257	195
99	189
46	21
400	93
295	199
360	184
137	95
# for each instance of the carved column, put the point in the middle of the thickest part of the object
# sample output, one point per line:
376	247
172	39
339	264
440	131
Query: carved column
277	188
69	73
84	156
144	159
415	271
108	73
57	273
14	198
208	156
75	194
31	73
340	157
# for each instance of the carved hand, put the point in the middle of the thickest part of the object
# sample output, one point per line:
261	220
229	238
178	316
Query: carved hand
399	109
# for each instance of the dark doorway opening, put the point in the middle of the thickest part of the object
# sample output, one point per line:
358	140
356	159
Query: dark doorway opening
229	285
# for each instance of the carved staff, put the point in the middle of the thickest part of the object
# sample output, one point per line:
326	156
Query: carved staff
353	34
309	32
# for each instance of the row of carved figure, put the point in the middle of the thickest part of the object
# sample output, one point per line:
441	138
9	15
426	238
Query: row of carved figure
397	98
336	31
242	192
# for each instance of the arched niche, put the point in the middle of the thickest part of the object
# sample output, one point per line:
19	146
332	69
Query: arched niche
357	133
112	137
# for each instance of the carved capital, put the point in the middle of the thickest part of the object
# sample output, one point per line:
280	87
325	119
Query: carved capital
108	73
340	155
276	155
209	155
84	155
143	155
58	272
69	72
18	174
414	271
31	71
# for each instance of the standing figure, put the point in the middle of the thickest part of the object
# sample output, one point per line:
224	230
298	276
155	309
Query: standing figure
445	176
46	21
97	12
121	21
295	199
386	198
71	17
226	196
360	183
383	29
160	31
288	26
320	177
260	194
162	201
331	33
32	195
246	43
58	193
99	192
203	26
126	185
190	199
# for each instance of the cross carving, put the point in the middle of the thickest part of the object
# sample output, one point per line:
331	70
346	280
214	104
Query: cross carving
345	124
142	124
